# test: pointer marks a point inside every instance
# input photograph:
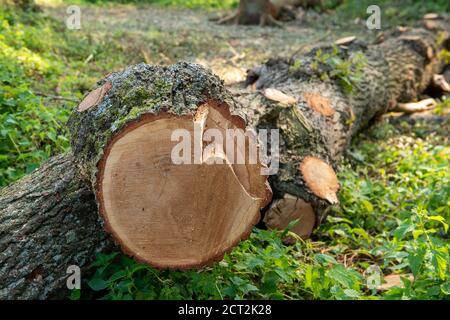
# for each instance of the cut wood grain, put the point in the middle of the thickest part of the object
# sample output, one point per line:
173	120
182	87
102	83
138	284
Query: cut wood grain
290	208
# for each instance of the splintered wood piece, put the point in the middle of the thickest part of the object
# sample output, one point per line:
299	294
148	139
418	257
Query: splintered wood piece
431	16
430	53
394	280
345	41
94	97
170	215
412	107
249	174
319	103
278	96
320	178
440	82
288	209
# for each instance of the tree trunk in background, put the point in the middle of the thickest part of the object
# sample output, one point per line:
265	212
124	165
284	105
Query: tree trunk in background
256	12
267	12
48	220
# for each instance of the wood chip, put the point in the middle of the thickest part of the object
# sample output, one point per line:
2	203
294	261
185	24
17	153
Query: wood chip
278	96
94	97
345	41
431	16
394	280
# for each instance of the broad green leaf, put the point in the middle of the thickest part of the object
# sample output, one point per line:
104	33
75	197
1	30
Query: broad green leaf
324	258
368	206
440	263
403	229
98	284
341	275
415	262
445	287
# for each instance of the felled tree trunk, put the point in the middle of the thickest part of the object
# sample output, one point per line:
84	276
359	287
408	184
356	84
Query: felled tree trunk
318	111
187	215
167	213
48	221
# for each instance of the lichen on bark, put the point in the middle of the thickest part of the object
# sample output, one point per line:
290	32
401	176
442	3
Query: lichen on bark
141	89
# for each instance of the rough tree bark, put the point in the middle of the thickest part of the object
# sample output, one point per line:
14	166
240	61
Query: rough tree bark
322	118
164	214
48	220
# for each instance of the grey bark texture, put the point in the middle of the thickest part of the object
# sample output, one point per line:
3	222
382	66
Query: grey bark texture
397	70
140	90
48	221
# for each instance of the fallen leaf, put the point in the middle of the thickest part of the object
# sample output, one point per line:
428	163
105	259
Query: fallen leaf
94	97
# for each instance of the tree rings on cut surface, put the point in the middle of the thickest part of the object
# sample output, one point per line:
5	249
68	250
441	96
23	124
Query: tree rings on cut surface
283	211
171	215
319	103
320	178
94	97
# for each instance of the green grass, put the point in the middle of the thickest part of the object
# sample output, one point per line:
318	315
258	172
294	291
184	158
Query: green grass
39	61
29	130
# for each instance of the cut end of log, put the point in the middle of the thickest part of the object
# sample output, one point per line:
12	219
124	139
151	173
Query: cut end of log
94	97
288	209
319	104
169	215
320	178
430	24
